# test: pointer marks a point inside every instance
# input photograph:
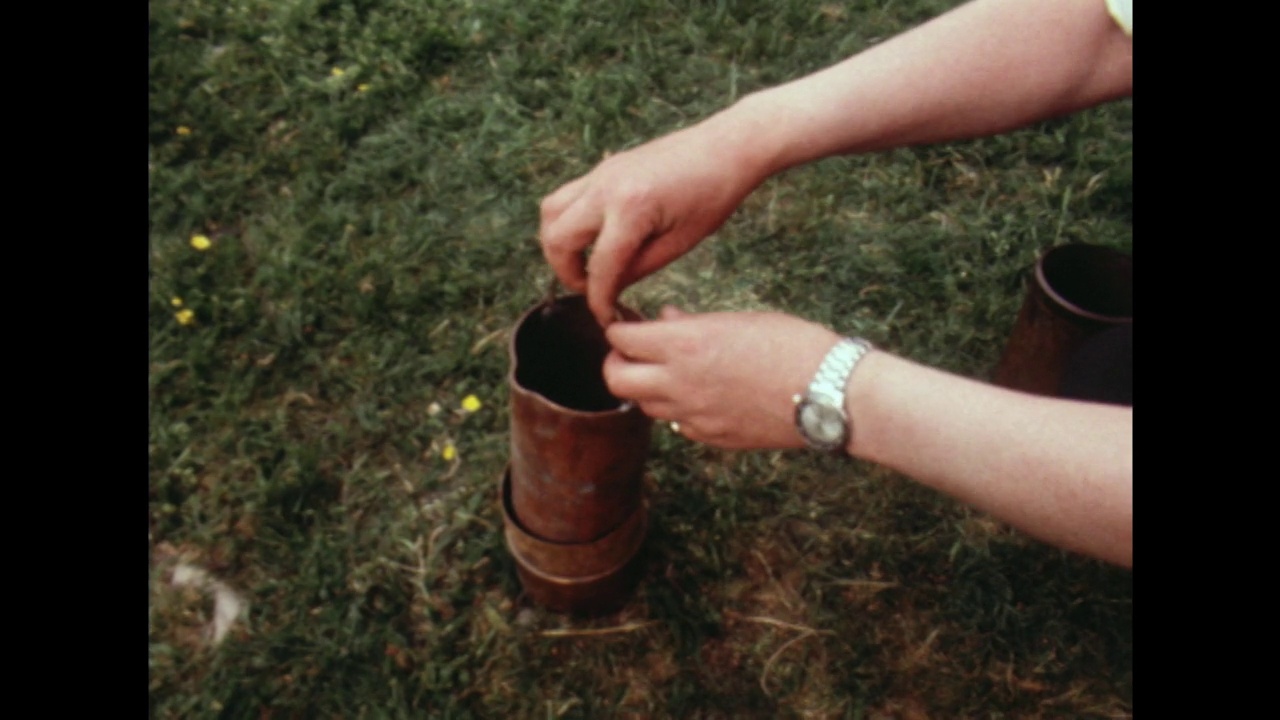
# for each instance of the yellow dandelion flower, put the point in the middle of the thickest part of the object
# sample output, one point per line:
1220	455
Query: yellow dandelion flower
337	72
185	316
175	301
449	452
201	242
471	403
362	87
183	130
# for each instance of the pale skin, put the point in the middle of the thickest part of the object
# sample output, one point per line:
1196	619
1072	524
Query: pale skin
1059	470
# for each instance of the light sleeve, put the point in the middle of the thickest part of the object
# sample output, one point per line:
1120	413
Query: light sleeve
1122	11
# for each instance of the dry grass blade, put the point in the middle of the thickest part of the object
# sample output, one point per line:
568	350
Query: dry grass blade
595	632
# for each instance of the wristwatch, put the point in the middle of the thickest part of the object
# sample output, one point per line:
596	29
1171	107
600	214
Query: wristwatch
820	414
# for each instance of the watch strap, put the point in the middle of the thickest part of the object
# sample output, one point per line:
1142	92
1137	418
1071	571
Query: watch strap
836	368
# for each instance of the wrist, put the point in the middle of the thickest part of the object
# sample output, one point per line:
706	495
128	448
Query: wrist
789	125
859	400
822	415
750	138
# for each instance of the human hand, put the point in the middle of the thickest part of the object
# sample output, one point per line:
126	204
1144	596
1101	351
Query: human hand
727	378
642	209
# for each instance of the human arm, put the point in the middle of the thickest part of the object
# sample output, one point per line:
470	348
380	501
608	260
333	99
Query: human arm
983	68
1060	470
979	69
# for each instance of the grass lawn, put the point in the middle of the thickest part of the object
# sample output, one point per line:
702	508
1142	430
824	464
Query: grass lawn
361	181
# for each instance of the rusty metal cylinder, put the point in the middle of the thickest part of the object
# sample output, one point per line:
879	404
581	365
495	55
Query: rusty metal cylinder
1077	292
577	452
583	578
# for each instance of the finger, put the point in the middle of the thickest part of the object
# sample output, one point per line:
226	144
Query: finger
658	253
690	430
660	410
670	312
646	342
554	205
703	431
565	239
620	240
642	382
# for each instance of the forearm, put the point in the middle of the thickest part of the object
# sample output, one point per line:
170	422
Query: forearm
983	68
1059	470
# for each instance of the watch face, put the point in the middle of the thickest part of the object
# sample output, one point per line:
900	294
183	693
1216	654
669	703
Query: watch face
822	423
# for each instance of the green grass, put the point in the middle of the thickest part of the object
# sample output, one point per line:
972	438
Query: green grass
371	247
